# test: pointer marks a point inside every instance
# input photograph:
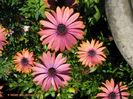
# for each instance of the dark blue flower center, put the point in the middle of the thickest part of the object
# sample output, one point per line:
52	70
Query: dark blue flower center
24	61
61	29
52	71
91	52
112	95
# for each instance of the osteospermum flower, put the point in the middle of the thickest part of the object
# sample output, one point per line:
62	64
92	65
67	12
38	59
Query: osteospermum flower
52	71
113	92
91	54
61	29
54	3
24	61
2	37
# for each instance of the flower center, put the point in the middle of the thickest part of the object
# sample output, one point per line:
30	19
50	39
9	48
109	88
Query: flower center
112	95
52	71
61	29
24	61
91	52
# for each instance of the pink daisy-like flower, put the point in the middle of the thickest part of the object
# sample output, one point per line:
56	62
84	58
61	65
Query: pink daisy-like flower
2	37
51	71
113	92
91	54
54	3
24	61
61	29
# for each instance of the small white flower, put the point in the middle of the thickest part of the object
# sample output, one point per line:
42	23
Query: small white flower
25	29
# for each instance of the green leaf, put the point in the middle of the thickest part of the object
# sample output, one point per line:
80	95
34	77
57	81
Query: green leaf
92	69
97	15
31	90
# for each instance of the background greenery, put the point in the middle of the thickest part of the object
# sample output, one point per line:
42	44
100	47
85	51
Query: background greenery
85	83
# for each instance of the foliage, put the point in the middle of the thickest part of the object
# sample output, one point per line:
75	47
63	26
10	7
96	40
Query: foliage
33	9
85	82
4	68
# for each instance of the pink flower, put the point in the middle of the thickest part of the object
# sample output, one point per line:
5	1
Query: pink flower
61	29
2	37
113	92
54	3
91	54
52	71
24	61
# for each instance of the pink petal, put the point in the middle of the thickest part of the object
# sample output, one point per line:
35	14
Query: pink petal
77	35
56	43
40	81
100	58
45	60
65	77
44	83
54	14
105	90
101	49
62	44
48	39
58	81
51	43
67	44
72	18
67	14
102	95
53	58
70	41
39	69
77	24
124	98
107	85
77	31
48	84
116	89
85	60
99	45
58	58
92	43
62	10
125	94
40	65
49	57
54	84
65	82
47	24
63	67
51	18
122	88
112	83
36	73
60	62
59	14
47	32
39	77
